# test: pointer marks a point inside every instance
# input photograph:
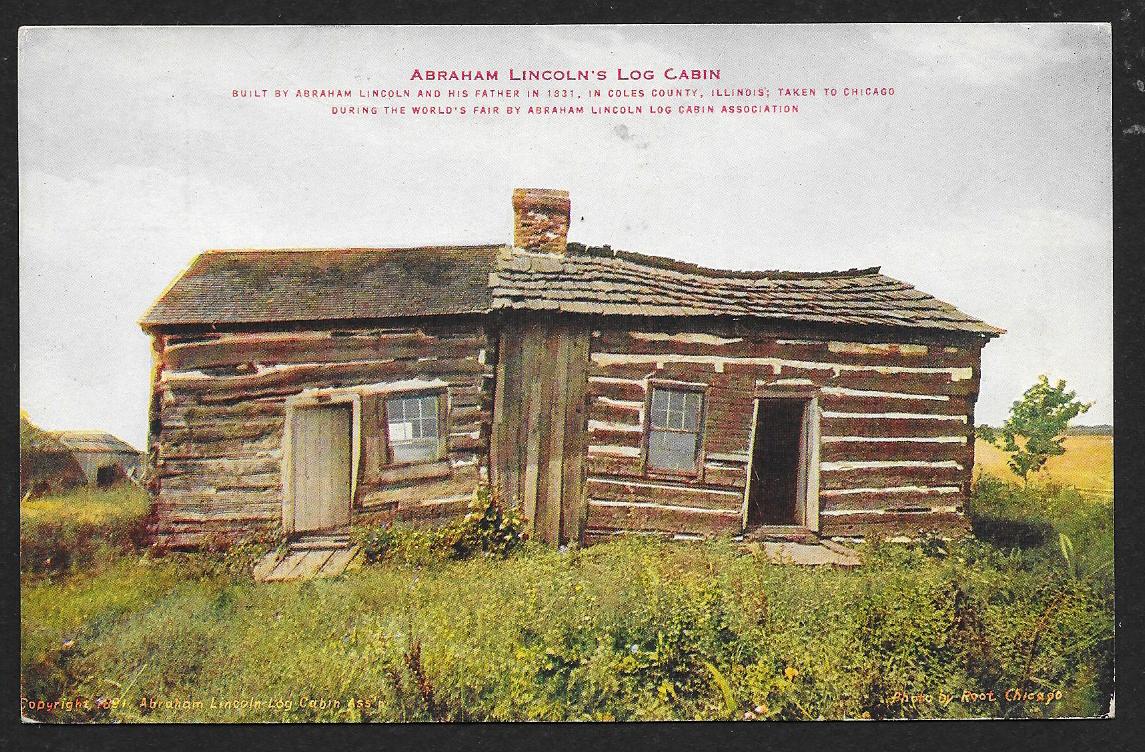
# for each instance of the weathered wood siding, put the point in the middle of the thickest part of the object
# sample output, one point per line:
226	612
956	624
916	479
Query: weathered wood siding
218	413
896	429
539	437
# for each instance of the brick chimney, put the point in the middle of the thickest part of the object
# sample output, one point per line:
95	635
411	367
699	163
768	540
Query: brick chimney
541	220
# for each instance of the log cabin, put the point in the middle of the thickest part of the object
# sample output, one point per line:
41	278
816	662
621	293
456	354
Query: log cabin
598	391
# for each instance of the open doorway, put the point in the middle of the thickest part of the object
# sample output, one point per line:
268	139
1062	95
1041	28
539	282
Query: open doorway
781	456
109	475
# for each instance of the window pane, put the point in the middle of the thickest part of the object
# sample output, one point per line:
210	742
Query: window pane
659	400
691	417
413	428
672	450
415	451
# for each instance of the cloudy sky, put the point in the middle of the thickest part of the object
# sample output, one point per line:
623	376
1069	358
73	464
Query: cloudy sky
985	179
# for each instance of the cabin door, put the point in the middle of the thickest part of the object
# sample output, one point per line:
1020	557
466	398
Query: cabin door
321	467
783	481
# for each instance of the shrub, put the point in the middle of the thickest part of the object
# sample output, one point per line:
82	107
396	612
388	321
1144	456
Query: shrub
1008	515
488	529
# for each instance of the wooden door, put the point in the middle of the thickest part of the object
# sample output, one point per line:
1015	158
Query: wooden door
321	467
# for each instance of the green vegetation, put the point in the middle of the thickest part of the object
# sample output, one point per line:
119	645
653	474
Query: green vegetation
1037	425
632	629
80	528
487	529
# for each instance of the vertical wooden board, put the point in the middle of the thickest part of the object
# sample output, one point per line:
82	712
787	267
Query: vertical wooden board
342	473
300	452
557	354
813	420
498	441
511	451
531	360
373	449
804	460
573	507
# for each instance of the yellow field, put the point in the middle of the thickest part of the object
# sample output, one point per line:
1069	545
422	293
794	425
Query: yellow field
1087	464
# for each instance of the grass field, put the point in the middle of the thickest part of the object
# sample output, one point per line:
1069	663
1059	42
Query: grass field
1087	464
627	630
84	505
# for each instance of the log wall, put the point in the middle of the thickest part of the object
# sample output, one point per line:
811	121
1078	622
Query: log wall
218	415
896	429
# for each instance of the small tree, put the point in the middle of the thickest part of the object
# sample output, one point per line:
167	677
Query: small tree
1040	419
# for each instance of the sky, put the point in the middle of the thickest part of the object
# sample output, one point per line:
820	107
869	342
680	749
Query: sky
985	180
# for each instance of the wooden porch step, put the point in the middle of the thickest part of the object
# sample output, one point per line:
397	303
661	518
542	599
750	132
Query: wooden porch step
781	534
320	542
308	557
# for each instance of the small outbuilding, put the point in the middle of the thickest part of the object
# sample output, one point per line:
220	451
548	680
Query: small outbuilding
103	457
599	391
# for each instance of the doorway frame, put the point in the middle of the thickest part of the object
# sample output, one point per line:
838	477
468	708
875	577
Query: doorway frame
309	399
808	452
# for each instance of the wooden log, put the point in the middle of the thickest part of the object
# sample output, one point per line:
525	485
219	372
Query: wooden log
612	437
637	518
316	374
467	443
892	501
218	431
628	413
223	482
836	451
624	390
193	413
311	347
461	482
870	379
597	464
891	427
411	473
664	493
731	477
874	403
192	448
219	466
883	477
834	350
890	525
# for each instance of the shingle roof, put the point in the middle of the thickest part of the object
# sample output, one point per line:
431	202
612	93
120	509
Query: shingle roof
257	286
253	286
94	441
604	281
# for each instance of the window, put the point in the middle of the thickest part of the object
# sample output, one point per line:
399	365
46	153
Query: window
413	428
674	433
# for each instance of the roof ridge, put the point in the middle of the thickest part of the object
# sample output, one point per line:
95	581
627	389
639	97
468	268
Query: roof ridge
349	248
671	264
